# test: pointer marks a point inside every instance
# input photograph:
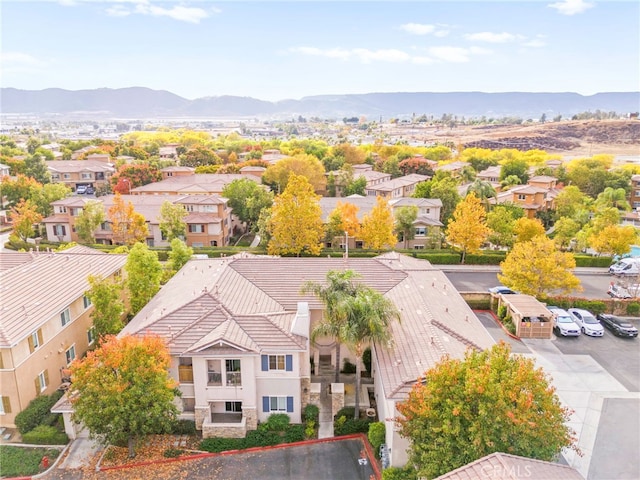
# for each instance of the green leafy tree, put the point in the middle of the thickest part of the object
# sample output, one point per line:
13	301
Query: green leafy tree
538	268
199	155
36	168
108	306
565	230
144	272
308	166
179	254
124	390
405	217
355	187
491	401
295	224
89	220
501	220
446	189
483	190
247	199
339	286
172	220
569	201
16	190
468	229
613	197
130	176
43	195
614	240
377	227
517	167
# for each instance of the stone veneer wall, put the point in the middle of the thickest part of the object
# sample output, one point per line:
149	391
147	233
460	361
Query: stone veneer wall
201	414
305	391
226	430
250	416
314	393
337	398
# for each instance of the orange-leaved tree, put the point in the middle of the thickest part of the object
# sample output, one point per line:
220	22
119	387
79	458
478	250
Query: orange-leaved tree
124	391
128	226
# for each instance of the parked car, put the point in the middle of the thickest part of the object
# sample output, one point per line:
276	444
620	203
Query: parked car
563	323
589	325
626	267
90	190
81	189
618	326
502	289
618	291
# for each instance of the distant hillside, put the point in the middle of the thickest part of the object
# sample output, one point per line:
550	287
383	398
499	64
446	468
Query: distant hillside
139	102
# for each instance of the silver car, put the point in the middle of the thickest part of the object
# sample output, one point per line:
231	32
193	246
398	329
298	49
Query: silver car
589	325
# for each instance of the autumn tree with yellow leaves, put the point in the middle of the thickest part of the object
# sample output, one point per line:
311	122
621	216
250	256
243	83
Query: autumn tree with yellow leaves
128	226
538	268
343	218
377	227
614	240
468	229
295	225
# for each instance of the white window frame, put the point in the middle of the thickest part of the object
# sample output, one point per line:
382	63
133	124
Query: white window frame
522	196
2	412
91	335
276	359
43	381
36	341
86	302
65	316
277	401
421	231
70	354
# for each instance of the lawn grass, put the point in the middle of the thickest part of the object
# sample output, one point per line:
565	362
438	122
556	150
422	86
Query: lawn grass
21	461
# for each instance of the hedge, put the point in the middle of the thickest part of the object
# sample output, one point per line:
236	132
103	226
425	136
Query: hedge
345	424
45	435
38	413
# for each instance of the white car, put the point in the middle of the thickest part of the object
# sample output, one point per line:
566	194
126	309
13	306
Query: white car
588	324
563	323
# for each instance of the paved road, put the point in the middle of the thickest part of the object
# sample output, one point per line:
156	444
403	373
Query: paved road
595	284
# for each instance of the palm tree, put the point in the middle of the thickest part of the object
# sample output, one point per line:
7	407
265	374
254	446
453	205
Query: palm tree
368	319
339	286
613	197
483	190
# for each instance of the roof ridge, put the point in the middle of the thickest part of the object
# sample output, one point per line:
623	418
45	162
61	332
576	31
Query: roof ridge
455	334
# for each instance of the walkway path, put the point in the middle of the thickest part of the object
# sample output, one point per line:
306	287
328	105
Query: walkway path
326	375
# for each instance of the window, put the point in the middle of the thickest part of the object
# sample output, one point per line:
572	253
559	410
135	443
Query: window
91	335
233	406
55	176
418	247
35	340
359	244
234	376
86	176
59	230
421	231
70	354
214	243
65	316
41	381
76	212
188	404
277	362
196	228
214	373
522	196
277	404
5	405
185	370
67	176
188	208
86	301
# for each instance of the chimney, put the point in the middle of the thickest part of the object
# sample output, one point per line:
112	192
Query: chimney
302	322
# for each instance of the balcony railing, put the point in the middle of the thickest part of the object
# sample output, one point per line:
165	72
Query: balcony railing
215	379
234	379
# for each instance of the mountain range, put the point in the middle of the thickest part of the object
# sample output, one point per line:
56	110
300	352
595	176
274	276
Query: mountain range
140	102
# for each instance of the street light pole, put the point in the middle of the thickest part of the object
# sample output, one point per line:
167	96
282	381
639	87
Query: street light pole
346	244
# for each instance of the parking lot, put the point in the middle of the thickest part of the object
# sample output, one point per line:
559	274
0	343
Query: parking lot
618	356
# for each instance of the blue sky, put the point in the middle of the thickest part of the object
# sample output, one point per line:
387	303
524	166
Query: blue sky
278	50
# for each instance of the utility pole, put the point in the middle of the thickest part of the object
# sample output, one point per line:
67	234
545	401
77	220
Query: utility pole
346	244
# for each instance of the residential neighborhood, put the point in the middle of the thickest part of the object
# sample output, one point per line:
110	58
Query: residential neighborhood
237	253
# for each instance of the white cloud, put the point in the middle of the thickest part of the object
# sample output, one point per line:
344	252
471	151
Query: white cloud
118	11
177	12
170	9
571	7
12	62
340	53
491	37
384	55
535	43
425	29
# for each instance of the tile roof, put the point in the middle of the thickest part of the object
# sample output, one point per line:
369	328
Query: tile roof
72	166
249	302
399	182
417	202
34	291
364	204
201	182
503	466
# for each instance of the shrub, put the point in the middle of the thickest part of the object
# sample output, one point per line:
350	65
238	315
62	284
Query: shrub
502	312
633	308
396	473
479	304
277	422
440	258
184	427
311	413
347	412
366	359
295	433
37	413
20	461
45	435
215	445
348	367
376	435
262	438
172	452
486	258
345	424
310	429
589	261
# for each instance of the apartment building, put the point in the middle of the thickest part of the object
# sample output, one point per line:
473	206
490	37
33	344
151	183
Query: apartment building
398	187
46	320
196	184
76	173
